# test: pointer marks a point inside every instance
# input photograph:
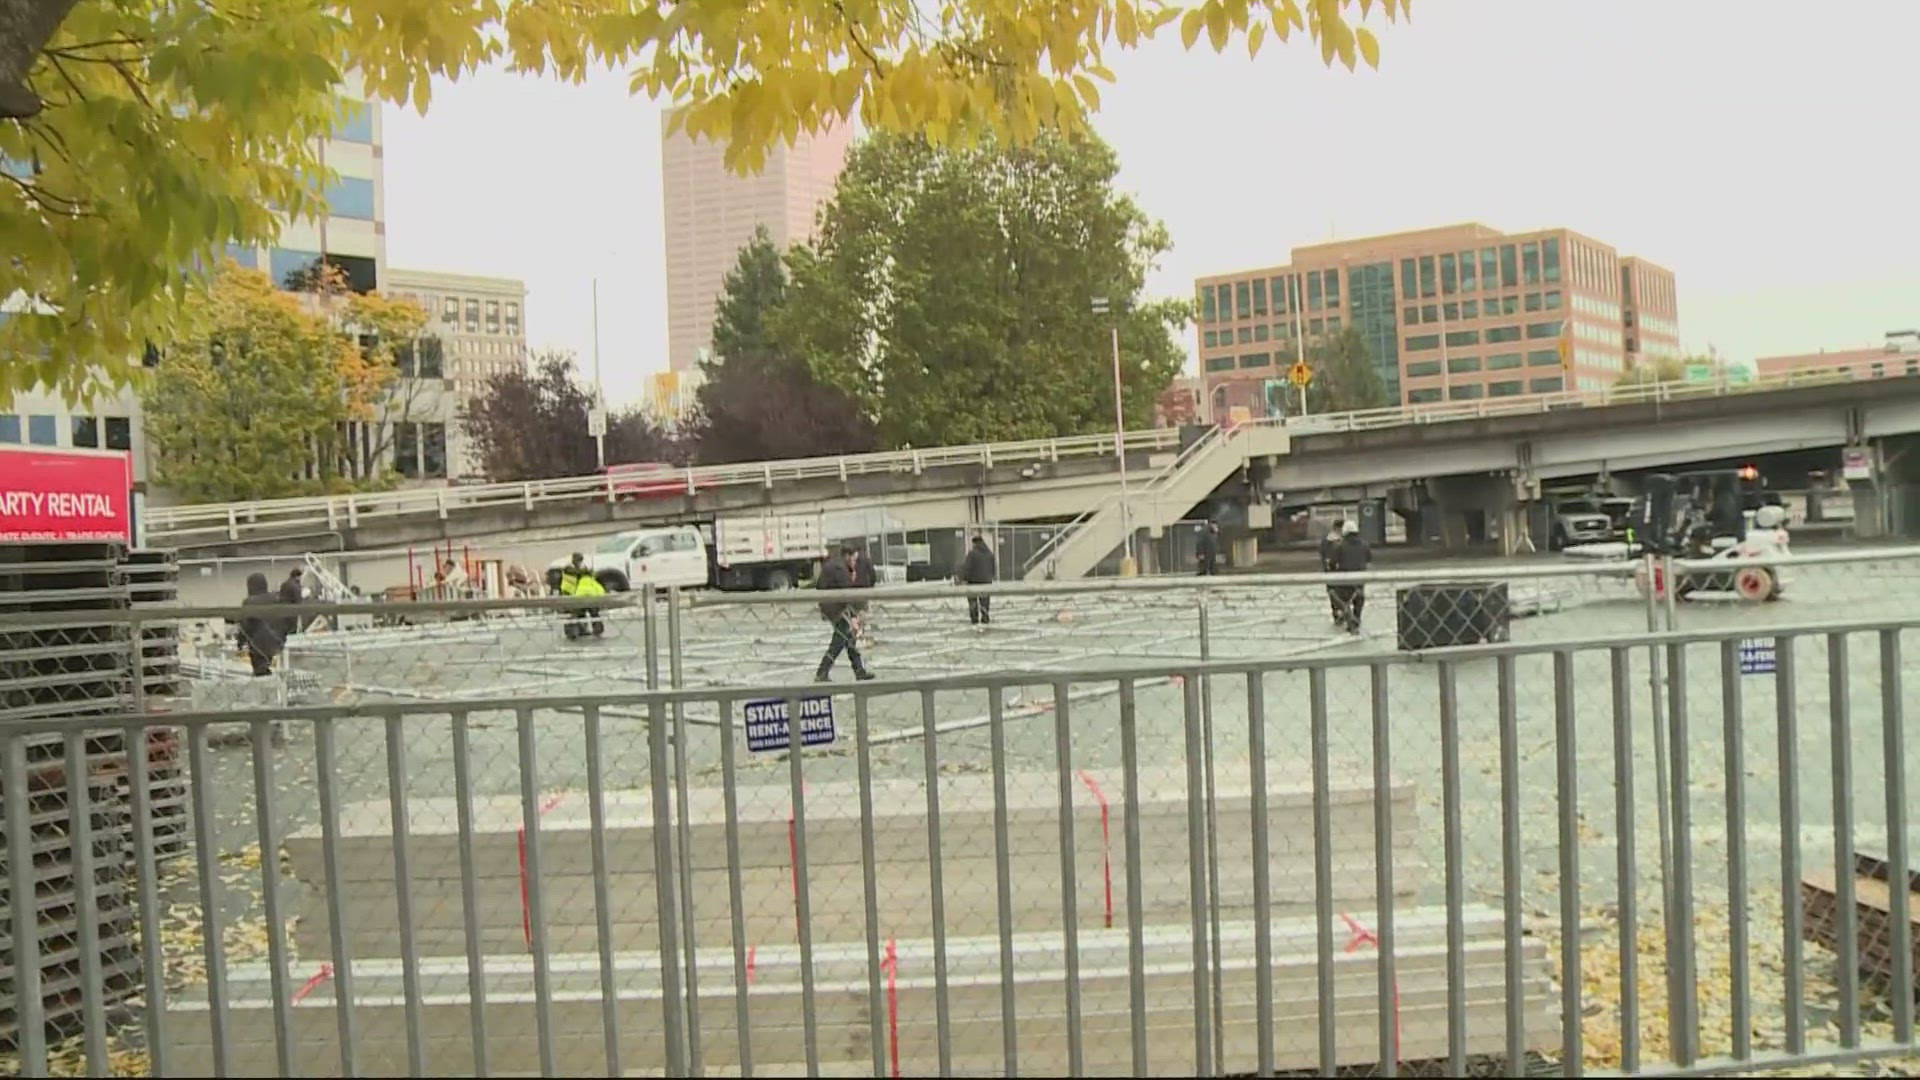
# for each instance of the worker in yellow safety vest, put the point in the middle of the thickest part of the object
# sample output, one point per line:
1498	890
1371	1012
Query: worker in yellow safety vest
577	580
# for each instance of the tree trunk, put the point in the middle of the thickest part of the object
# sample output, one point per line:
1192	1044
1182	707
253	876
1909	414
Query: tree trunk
25	27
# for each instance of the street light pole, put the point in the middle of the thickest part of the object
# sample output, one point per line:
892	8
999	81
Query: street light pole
1127	565
599	419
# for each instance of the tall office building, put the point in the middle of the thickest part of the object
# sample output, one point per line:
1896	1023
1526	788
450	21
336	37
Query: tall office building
711	213
1456	313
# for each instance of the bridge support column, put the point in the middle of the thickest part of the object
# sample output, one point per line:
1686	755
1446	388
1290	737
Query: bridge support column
1473	511
1887	502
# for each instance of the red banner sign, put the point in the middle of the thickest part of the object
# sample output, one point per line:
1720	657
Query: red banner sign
65	495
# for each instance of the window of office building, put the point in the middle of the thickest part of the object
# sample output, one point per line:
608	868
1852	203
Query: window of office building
1509	267
1256	360
9	429
1489	268
1209	339
1242	304
1429	313
1277	288
1260	332
1370	305
406	448
1409	287
1533	301
1449	275
1530	262
1545	329
1226	302
1422	368
1219	363
1245	335
1469	309
1543	357
1505	388
1426	276
1503	333
450	309
1411	316
1333	287
1552	298
1313	292
353	121
119	430
493	316
433	450
41	431
1457	365
1316	326
1466	272
473	316
1207	310
1545	386
351	197
1423	396
1333	324
86	432
1260	296
1450	311
1550	260
1423	342
1465	392
1503	361
1457	339
1509	305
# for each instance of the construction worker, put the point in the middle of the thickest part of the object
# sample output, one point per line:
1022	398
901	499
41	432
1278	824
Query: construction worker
576	579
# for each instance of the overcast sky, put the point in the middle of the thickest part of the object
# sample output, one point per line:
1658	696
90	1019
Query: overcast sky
1768	154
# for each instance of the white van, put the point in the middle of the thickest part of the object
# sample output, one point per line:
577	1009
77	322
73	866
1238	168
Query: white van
667	557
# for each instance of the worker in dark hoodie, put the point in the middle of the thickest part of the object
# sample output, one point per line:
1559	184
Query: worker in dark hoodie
842	573
293	591
262	636
979	568
1329	550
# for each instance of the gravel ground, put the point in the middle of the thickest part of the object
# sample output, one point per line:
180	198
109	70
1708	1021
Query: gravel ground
1038	639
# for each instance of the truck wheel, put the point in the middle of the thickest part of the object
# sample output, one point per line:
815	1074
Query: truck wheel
777	581
613	580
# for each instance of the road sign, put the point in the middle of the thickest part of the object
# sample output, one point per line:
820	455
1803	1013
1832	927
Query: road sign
1757	656
1855	464
1300	374
768	729
596	423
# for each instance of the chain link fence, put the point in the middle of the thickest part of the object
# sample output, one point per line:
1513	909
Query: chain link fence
1167	826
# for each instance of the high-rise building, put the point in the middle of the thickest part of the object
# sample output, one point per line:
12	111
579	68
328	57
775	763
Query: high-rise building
475	330
1456	313
711	213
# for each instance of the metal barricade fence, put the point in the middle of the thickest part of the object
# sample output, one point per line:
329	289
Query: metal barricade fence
1177	830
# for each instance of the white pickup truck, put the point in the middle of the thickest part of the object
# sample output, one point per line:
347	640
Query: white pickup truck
769	552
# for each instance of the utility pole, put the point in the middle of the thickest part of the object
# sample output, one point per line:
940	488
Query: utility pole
597	419
1128	567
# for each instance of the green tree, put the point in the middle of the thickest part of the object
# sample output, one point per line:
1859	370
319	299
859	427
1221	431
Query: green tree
1660	369
757	402
139	137
951	291
1345	378
250	400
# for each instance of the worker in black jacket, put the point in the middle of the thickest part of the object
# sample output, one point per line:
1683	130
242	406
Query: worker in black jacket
842	573
261	636
979	568
1329	547
1208	549
1352	556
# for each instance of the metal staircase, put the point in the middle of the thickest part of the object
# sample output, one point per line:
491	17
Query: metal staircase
1081	544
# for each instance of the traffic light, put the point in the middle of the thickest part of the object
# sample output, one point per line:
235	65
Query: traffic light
1749	472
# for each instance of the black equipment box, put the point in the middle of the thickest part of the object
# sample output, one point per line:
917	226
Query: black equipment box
1453	613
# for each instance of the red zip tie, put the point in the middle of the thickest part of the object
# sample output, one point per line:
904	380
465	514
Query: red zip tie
751	951
325	973
891	965
1106	840
526	908
1363	936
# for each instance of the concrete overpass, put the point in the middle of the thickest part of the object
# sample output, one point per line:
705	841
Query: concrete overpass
1475	457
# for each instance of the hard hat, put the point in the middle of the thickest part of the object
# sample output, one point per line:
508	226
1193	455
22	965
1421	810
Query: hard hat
1770	517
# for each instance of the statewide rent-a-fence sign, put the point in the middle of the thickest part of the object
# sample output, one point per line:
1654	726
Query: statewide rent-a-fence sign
767	727
1757	656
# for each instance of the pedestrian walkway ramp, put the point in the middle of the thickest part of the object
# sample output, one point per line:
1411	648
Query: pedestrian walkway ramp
1165	498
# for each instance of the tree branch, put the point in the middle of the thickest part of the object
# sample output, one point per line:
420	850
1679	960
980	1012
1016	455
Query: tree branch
25	28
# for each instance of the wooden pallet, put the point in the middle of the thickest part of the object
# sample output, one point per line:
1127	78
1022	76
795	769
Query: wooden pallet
1873	921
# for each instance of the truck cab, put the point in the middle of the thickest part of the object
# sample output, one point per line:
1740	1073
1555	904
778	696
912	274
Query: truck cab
667	557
